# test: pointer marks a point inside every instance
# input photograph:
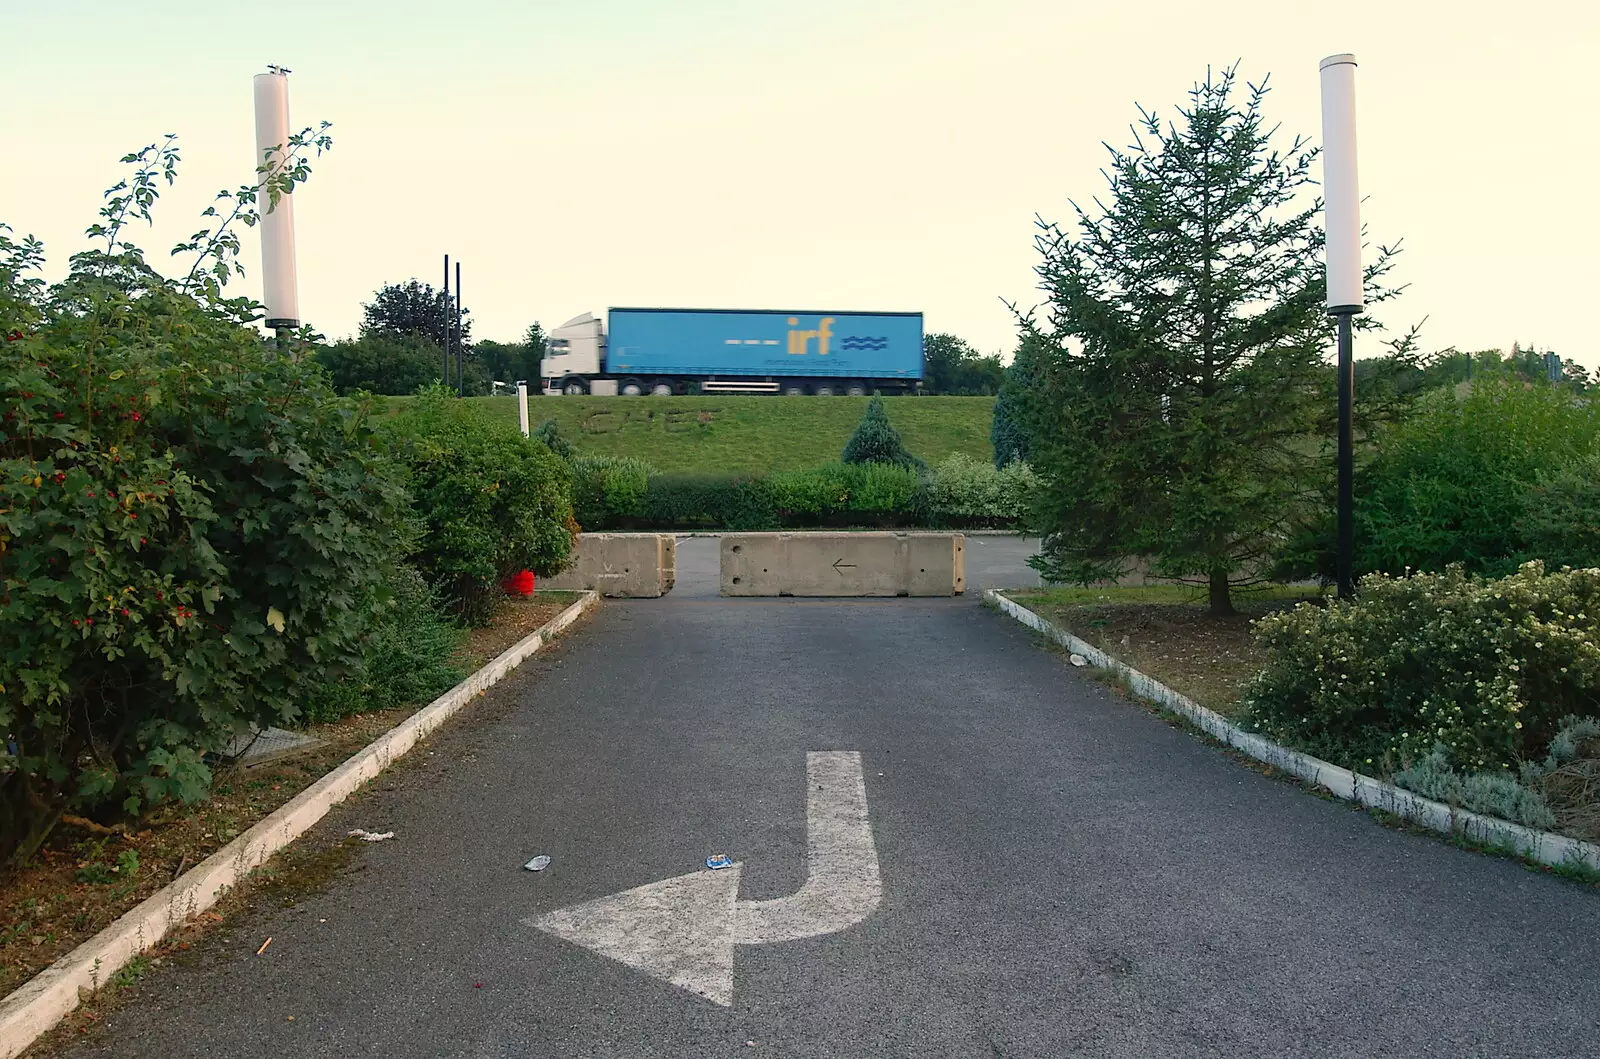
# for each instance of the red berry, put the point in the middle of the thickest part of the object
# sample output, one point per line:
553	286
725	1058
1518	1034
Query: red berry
141	540
124	612
61	415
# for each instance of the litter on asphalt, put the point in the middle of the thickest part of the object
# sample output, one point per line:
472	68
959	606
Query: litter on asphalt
1079	660
369	836
539	863
721	860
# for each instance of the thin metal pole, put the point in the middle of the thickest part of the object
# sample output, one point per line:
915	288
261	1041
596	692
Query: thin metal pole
446	336
461	352
1347	463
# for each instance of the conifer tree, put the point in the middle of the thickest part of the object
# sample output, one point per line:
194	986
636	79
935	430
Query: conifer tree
876	441
1183	410
1008	430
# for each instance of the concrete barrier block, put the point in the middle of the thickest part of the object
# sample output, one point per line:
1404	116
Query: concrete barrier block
843	564
620	565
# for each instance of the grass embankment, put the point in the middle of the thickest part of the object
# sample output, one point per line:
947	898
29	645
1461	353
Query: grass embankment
1166	632
752	435
83	880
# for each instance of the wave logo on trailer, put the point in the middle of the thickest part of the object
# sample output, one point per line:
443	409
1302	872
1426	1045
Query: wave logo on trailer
855	342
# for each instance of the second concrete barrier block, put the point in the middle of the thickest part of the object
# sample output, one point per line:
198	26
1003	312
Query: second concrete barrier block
843	564
620	565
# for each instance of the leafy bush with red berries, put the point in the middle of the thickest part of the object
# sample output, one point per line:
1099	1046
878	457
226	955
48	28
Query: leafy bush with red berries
488	501
195	532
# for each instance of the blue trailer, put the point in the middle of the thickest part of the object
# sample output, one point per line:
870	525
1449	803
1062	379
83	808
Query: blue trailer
668	351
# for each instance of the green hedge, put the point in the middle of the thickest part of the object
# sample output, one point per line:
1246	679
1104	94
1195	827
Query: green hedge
850	494
963	488
407	656
490	502
607	489
696	501
1491	478
961	492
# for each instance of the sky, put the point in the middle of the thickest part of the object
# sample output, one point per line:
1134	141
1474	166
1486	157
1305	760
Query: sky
835	154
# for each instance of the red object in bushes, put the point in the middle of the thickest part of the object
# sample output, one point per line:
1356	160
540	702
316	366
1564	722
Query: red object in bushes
520	585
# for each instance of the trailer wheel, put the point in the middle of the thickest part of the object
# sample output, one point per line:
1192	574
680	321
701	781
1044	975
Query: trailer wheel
856	390
794	389
631	388
823	391
574	387
662	388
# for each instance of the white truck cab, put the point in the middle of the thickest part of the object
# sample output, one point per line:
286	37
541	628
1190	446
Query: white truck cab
575	353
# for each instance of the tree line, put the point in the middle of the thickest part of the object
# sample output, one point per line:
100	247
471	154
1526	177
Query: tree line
401	341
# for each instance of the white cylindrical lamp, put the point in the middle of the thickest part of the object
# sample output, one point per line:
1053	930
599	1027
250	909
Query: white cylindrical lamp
1341	195
280	293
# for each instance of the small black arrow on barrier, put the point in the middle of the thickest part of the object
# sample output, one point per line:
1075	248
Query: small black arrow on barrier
840	565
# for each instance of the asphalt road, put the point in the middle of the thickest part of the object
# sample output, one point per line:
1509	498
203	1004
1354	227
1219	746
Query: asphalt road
1062	874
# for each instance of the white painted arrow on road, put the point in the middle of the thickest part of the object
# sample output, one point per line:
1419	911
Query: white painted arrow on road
683	930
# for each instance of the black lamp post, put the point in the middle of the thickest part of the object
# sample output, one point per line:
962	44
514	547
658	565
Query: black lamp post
1342	219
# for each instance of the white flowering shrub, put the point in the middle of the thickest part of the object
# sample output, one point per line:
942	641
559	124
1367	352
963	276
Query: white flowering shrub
969	490
1484	672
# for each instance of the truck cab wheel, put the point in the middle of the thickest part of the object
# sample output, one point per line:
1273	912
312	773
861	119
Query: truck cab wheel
574	388
631	388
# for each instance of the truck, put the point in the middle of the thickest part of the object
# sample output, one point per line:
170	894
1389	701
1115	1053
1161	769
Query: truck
750	351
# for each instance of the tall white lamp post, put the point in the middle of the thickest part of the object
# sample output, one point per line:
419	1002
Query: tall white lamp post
1342	217
280	293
